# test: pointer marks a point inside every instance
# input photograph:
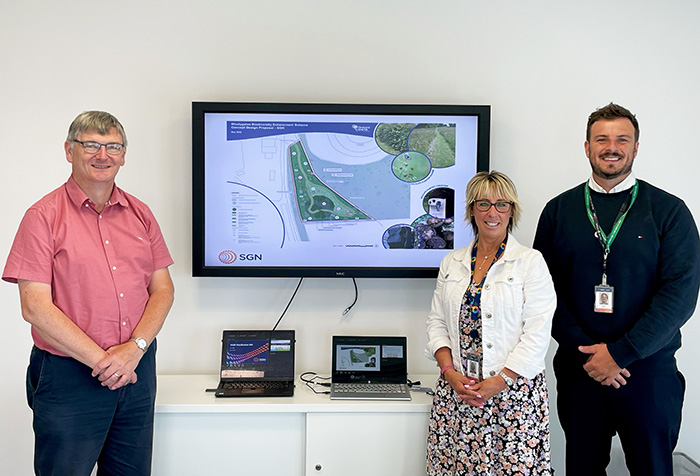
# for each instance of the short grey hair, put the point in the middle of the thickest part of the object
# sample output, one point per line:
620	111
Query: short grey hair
95	121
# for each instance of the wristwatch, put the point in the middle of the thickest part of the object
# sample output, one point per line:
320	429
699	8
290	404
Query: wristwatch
509	381
141	343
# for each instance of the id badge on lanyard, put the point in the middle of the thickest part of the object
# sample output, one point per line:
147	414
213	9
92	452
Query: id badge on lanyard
604	292
473	367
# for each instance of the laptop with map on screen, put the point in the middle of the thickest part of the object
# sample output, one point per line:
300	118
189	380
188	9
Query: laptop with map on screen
369	368
257	364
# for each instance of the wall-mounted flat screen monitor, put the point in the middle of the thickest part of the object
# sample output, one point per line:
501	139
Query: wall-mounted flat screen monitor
332	190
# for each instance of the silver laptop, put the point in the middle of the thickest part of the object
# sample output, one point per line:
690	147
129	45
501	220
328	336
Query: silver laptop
257	364
369	368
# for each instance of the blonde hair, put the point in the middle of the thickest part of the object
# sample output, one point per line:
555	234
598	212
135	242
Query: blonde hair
496	184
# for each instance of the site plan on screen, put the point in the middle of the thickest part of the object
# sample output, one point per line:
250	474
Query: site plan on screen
276	189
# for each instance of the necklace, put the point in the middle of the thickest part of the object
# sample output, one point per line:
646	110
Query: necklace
483	262
486	256
473	287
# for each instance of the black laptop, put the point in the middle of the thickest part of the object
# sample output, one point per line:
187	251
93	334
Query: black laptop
369	368
257	364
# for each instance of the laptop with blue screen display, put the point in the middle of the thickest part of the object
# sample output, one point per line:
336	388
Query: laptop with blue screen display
257	364
369	368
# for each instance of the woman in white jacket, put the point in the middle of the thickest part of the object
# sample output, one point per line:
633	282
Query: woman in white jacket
489	330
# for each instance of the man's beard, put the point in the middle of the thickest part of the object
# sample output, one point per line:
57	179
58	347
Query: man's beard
611	174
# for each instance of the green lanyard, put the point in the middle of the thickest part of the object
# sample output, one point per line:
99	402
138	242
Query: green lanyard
606	241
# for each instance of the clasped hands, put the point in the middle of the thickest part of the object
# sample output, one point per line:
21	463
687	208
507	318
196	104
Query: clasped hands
117	367
601	367
473	392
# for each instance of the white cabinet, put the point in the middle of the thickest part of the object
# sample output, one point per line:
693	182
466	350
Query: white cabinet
193	444
339	444
305	435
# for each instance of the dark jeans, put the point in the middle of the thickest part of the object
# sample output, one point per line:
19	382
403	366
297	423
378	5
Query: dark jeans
645	414
79	423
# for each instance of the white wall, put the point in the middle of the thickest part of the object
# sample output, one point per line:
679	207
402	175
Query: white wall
542	65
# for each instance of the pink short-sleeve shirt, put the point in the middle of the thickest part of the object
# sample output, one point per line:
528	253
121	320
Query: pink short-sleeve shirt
99	265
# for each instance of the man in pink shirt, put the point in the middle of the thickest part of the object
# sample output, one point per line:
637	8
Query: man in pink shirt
92	270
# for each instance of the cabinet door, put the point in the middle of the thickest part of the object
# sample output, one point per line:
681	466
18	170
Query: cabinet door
228	443
339	444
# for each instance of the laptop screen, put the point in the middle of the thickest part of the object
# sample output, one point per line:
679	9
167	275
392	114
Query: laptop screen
265	355
364	359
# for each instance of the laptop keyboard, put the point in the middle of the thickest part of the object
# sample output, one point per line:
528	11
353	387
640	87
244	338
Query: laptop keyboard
270	384
370	388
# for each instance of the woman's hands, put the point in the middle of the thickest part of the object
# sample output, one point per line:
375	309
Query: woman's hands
469	390
472	392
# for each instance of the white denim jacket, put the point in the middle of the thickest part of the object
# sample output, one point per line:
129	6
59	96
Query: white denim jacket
517	305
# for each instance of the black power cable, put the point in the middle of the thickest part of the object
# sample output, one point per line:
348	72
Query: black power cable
355	301
312	383
288	304
347	309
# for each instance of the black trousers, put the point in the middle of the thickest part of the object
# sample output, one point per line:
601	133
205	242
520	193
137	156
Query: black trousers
645	414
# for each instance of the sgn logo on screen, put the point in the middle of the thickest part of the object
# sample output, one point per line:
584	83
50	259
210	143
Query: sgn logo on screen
229	257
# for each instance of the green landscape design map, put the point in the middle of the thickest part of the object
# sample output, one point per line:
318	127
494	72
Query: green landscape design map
316	201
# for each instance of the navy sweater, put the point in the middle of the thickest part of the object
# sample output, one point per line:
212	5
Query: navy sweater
654	266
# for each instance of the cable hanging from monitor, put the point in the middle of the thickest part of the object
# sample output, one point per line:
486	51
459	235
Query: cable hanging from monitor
347	309
288	304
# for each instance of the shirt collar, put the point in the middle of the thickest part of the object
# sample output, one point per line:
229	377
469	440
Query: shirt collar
626	184
78	197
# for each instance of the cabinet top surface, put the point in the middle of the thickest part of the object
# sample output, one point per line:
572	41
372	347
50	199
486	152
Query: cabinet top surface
188	394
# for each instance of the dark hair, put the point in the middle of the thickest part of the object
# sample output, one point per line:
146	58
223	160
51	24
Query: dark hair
608	113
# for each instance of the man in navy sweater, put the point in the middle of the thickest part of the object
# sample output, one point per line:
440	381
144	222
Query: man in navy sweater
625	259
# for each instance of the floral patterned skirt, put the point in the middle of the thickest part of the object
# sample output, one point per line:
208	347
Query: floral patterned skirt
509	436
